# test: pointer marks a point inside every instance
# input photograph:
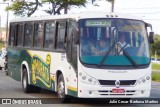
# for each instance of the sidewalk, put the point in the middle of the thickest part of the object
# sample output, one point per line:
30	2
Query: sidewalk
155	84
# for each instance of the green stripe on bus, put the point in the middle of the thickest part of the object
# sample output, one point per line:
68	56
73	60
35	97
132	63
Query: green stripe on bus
72	93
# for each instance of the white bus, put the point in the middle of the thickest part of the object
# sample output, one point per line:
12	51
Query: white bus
79	55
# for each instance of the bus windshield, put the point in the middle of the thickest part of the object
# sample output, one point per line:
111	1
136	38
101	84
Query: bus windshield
115	42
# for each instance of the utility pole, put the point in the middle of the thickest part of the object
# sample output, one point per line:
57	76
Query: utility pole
6	22
66	7
112	6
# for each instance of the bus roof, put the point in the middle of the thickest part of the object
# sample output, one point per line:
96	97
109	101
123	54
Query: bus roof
77	16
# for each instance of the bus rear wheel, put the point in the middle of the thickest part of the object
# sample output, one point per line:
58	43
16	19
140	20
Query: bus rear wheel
61	89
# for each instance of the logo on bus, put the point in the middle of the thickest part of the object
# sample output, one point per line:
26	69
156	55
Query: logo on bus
117	83
41	70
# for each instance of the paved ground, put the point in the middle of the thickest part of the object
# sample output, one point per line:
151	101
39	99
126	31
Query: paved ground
10	88
156	85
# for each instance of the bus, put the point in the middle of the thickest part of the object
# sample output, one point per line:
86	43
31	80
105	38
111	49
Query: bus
61	53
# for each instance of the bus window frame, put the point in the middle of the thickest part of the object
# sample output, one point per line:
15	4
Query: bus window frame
33	35
54	35
9	42
69	54
18	24
32	23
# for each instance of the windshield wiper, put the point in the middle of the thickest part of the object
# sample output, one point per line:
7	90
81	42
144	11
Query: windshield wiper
125	53
106	55
129	57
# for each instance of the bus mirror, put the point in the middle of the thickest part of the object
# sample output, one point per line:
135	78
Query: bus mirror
149	25
151	37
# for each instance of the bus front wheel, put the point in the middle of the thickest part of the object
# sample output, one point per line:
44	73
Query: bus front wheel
61	89
26	87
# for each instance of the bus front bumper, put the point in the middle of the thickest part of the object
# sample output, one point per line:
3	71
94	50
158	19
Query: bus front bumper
97	91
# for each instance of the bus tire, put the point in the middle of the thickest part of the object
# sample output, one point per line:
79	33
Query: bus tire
61	89
26	87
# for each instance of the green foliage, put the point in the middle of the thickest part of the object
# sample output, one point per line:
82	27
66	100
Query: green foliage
24	7
58	5
156	76
155	67
156	45
155	72
27	8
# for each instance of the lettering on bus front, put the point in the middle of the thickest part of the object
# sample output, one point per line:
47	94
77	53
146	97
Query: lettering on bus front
41	70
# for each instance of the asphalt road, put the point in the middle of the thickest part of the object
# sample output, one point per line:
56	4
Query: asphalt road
10	88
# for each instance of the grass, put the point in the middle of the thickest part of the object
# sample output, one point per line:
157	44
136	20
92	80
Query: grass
155	67
156	76
157	56
155	72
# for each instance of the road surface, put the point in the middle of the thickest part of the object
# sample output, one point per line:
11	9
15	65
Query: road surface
10	88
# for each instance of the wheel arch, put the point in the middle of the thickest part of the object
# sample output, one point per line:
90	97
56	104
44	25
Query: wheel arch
58	73
25	65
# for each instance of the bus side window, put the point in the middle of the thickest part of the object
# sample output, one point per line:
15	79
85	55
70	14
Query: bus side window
68	46
49	35
71	48
19	36
28	35
61	35
12	34
38	35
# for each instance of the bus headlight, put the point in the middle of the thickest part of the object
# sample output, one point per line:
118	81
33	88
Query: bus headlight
84	77
148	78
144	79
87	79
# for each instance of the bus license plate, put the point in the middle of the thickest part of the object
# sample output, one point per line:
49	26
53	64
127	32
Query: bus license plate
118	91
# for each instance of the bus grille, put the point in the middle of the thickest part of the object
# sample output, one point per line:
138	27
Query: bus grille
122	82
109	92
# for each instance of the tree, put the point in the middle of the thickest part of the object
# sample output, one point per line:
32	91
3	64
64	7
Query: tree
112	3
23	7
28	7
156	45
58	5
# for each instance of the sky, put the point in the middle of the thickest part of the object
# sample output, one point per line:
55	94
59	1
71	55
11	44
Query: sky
148	10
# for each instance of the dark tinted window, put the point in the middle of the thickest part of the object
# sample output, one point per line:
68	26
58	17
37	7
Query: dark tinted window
12	35
28	35
71	48
49	35
69	41
38	35
19	35
61	35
